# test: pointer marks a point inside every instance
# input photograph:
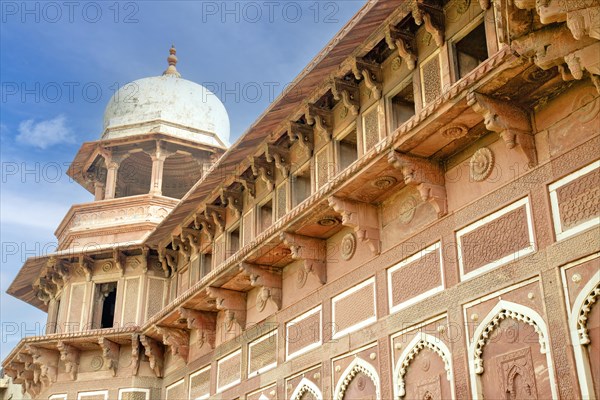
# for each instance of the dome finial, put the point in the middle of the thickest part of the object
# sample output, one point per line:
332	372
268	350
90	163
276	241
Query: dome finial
172	60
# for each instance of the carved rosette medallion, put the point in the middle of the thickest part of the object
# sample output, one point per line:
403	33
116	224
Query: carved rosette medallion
348	246
586	107
396	63
96	363
481	164
384	182
407	210
344	112
301	278
107	266
455	131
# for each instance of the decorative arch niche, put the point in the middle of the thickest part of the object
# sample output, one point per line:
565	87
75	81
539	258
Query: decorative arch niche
420	342
504	311
357	366
305	386
133	175
585	343
180	172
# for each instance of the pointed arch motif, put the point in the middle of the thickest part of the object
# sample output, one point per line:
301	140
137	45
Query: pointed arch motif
578	319
304	386
419	342
356	366
501	311
582	307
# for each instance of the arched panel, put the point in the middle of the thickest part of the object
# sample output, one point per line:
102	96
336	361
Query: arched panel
353	380
512	340
306	390
432	355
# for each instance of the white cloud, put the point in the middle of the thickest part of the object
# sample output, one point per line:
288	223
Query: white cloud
45	133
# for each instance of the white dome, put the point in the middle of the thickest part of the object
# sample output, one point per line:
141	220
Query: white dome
167	104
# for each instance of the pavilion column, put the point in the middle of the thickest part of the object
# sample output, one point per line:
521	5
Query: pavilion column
112	167
99	190
158	164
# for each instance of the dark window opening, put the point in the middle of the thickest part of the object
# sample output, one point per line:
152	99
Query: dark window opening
402	106
104	305
348	147
266	215
471	50
234	242
206	264
301	187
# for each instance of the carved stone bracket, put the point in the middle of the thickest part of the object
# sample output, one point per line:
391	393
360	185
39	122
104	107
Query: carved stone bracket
47	360
554	46
206	225
312	251
371	73
119	259
180	245
348	92
192	236
168	260
30	374
26	374
263	170
433	16
232	200
303	135
233	303
509	120
155	353
280	156
426	176
69	355
204	322
248	180
321	119
177	339
145	253
45	289
110	353
268	281
405	42
361	217
136	348
217	215
86	264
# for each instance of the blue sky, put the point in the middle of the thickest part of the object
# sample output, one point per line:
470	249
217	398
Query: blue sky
60	62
